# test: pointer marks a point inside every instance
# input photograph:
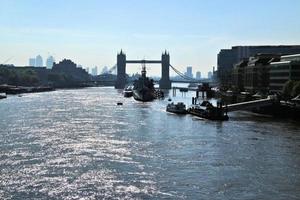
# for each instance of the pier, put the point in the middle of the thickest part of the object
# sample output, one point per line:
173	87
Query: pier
250	104
204	88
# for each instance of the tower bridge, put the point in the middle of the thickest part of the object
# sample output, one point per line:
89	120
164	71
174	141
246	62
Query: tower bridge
164	83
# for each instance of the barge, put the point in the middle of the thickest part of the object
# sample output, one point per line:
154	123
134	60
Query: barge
208	111
178	108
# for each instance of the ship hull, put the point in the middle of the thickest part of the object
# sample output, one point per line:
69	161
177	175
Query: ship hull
205	114
143	95
176	111
128	93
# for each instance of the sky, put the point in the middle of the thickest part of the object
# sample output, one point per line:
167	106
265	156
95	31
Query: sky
92	32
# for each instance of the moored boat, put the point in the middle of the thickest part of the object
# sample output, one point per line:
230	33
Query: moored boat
143	88
128	92
178	108
159	94
208	111
3	95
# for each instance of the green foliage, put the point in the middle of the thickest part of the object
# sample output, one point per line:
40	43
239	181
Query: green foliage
59	79
11	75
296	89
56	77
287	88
28	77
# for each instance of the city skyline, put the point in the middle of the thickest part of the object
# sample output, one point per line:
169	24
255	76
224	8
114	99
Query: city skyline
92	33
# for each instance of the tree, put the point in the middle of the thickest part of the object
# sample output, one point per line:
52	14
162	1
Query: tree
56	77
28	77
287	88
296	89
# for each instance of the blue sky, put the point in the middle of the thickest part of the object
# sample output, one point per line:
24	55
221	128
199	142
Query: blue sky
91	32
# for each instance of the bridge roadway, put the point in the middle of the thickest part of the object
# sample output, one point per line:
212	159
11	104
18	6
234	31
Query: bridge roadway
143	61
190	81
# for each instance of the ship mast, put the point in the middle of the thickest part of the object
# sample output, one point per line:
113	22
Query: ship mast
144	69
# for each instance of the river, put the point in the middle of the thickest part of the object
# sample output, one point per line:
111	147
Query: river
78	144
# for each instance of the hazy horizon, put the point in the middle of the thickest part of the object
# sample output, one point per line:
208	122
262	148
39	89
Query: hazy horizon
91	33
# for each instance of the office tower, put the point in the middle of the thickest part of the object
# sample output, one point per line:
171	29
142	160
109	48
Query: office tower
95	71
198	75
49	62
32	62
105	70
39	61
189	72
209	75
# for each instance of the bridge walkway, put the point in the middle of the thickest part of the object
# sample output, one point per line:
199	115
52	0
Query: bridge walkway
249	104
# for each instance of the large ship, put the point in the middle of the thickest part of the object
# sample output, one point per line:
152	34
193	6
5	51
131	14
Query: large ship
143	88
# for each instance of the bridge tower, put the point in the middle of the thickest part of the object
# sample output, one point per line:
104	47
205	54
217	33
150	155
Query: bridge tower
121	71
164	82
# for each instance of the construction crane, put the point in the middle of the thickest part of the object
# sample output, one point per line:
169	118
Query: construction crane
5	61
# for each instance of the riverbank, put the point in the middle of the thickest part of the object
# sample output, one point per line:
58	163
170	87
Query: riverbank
11	89
16	90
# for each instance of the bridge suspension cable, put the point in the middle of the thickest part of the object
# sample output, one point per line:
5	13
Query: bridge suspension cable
182	75
113	68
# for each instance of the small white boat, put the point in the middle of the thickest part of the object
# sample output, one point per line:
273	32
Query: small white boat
178	108
3	95
128	91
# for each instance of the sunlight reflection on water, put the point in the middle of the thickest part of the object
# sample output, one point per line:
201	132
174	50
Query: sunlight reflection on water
78	144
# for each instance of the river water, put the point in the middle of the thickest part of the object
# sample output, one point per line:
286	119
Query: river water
78	144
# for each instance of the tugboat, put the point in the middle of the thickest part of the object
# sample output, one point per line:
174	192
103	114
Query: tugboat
159	94
178	108
143	88
128	91
208	111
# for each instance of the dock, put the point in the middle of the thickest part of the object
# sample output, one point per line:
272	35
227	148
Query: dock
250	104
205	90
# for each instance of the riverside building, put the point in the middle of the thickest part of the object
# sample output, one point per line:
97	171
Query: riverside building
288	68
227	58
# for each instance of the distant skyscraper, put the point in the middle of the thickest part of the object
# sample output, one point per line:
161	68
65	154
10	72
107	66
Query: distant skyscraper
95	71
104	70
209	75
39	61
189	72
49	62
198	75
32	62
87	70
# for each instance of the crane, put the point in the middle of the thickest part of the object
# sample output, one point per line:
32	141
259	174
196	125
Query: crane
5	61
